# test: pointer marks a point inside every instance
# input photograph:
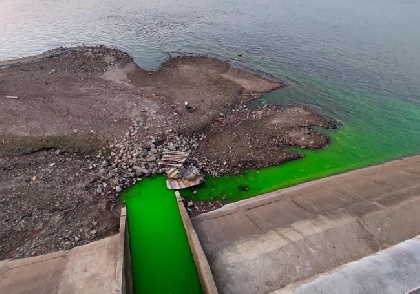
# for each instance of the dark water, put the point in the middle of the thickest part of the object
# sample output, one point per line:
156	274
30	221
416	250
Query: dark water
368	44
358	61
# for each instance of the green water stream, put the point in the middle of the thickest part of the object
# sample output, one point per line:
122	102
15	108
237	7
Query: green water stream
161	258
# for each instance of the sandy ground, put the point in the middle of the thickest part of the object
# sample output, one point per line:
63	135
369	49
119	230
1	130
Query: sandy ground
67	147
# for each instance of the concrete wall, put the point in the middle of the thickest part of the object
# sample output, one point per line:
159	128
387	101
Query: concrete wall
203	268
124	271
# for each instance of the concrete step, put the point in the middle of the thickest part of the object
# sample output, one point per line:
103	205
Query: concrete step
264	244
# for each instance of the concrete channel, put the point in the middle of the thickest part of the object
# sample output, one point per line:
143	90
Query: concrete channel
100	267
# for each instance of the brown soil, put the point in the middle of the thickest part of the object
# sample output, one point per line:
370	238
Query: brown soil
47	204
54	139
251	139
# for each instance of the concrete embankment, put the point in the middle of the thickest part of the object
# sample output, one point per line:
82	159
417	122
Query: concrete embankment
100	267
85	269
263	244
397	267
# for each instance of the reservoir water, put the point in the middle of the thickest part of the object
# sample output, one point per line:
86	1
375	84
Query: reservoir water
357	61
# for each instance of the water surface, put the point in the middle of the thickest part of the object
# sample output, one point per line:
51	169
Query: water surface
161	258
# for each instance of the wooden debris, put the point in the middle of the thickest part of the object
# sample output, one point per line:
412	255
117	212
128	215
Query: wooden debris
11	97
174	158
181	178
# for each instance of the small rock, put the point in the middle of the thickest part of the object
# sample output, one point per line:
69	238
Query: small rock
99	190
11	97
243	188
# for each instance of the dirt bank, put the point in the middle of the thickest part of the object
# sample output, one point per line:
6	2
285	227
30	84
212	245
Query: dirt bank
79	125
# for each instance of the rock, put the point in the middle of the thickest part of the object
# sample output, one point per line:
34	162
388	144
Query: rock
171	148
151	158
243	188
180	178
11	97
118	189
190	204
99	189
190	108
143	153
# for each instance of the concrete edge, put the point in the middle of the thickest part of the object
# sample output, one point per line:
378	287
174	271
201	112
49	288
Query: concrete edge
266	198
298	284
124	279
203	267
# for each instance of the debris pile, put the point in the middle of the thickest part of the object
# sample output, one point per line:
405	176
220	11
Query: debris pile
184	177
138	156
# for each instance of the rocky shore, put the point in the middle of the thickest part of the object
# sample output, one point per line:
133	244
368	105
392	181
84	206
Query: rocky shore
86	123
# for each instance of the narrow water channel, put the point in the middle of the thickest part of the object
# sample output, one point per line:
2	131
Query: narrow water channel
161	258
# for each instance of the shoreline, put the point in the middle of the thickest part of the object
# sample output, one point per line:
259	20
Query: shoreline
88	123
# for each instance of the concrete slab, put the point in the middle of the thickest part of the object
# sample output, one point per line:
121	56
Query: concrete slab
394	270
40	277
322	198
91	268
242	227
266	243
276	214
84	269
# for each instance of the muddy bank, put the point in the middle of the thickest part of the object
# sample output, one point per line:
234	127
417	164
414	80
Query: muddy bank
88	122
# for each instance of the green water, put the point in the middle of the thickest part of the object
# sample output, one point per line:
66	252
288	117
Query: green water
372	129
161	258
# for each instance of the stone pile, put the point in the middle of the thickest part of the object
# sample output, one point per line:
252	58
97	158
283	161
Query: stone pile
139	155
